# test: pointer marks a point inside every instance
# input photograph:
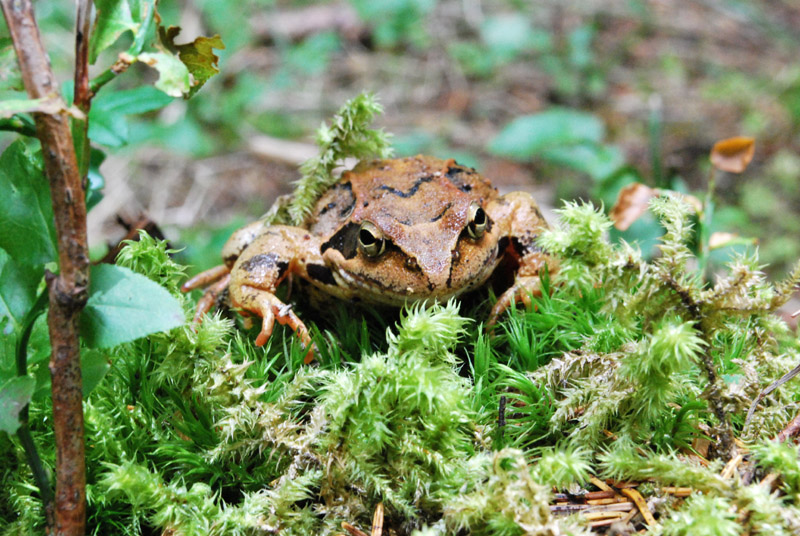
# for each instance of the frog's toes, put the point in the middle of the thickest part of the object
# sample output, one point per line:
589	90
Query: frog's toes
521	291
270	309
210	296
267	323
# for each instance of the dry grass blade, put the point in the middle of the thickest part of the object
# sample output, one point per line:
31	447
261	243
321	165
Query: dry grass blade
677	491
377	520
352	530
637	498
731	466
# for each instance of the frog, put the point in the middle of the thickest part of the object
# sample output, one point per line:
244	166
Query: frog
389	232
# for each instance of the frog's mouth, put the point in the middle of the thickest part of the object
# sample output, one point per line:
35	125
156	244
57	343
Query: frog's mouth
372	290
375	291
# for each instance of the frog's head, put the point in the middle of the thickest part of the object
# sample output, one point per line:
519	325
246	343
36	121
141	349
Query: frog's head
394	258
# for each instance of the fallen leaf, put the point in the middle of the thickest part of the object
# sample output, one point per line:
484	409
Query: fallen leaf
632	202
733	154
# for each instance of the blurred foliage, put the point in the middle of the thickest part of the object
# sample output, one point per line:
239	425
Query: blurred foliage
550	63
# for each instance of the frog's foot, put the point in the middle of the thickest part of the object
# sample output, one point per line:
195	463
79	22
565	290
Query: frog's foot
209	299
521	291
204	279
270	309
215	280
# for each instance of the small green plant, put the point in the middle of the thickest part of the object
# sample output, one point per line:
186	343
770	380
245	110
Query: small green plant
44	250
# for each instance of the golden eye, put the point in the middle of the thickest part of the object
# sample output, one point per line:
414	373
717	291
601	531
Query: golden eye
370	240
477	220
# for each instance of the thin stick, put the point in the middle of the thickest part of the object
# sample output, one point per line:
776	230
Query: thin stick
69	290
83	95
774	385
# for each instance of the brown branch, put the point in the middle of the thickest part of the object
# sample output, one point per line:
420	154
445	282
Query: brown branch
68	290
83	94
83	17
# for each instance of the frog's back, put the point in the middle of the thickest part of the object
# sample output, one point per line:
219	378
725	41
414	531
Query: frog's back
410	191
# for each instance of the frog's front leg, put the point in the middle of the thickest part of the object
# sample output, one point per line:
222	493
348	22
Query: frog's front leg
520	218
279	252
216	279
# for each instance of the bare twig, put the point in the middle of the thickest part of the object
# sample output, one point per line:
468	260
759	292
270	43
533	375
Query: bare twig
83	17
68	291
774	385
83	95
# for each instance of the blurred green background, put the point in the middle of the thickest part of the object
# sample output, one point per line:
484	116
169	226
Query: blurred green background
564	99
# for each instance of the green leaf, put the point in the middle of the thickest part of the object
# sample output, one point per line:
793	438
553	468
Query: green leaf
17	292
198	56
15	394
507	35
173	76
527	136
124	306
114	18
131	101
94	366
108	128
107	122
27	231
94	193
10	77
598	161
48	105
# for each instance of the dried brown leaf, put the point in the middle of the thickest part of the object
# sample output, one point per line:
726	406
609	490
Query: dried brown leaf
733	154
631	203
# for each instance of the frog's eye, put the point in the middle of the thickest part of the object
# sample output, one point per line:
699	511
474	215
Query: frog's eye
370	240
477	220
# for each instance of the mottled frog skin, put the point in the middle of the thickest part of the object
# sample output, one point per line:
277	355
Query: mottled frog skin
388	232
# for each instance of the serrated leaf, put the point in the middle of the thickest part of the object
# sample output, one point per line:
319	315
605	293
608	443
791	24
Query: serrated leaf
27	231
114	18
198	56
173	75
17	292
124	306
15	394
528	136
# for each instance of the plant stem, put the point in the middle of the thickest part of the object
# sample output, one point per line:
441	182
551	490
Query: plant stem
24	432
654	123
704	224
19	124
83	95
125	60
68	291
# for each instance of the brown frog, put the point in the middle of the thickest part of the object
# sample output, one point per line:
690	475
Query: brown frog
388	232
